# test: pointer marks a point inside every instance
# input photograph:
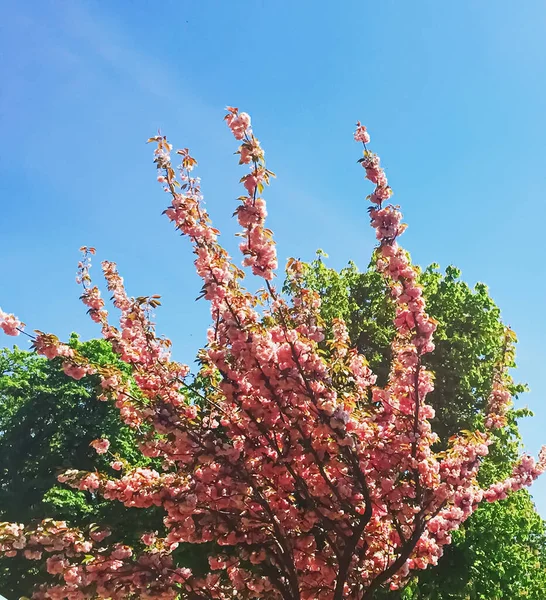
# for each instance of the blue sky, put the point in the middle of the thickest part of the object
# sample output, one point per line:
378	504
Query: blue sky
452	93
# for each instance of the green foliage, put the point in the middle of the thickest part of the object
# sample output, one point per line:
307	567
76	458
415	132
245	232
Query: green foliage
47	421
501	551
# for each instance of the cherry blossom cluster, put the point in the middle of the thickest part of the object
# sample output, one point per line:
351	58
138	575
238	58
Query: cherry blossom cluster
258	246
82	563
10	324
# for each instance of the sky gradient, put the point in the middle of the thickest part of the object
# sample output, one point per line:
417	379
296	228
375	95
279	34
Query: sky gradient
453	95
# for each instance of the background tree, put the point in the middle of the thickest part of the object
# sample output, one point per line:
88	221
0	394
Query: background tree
500	551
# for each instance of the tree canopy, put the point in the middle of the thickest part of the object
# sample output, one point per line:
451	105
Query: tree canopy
304	475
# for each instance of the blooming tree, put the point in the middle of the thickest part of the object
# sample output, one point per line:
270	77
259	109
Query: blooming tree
307	480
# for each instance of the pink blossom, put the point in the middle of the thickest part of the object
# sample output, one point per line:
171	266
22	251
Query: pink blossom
101	445
10	324
99	535
361	135
149	539
75	371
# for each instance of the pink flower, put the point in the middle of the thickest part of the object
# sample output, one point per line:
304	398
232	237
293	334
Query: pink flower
361	135
100	535
239	123
74	371
148	538
101	445
56	564
90	483
85	546
72	575
10	324
120	552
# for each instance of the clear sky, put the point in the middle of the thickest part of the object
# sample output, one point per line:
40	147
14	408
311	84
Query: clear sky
453	94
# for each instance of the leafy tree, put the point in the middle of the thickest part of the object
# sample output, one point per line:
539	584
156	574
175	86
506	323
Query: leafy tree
500	552
306	480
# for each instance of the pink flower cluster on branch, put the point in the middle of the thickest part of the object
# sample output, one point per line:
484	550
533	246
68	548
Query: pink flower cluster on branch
258	248
313	482
85	567
10	324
